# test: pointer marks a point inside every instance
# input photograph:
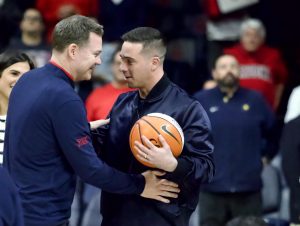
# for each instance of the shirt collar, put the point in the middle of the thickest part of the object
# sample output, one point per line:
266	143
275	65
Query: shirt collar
62	73
224	96
61	68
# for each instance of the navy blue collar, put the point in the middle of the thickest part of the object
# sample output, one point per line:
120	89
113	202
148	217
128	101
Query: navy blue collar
61	73
158	89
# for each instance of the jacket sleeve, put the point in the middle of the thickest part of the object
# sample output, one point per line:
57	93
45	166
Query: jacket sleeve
195	165
11	212
73	135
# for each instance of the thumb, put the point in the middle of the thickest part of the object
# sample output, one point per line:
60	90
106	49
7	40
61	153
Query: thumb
104	122
101	122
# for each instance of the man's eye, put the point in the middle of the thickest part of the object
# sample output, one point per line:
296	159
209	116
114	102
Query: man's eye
15	73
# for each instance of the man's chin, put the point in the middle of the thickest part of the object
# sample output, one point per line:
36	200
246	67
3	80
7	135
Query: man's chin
130	85
229	85
88	76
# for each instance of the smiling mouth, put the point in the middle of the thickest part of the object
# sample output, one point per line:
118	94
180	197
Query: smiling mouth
126	76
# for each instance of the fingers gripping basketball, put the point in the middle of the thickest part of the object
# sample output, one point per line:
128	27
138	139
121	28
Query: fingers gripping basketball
153	125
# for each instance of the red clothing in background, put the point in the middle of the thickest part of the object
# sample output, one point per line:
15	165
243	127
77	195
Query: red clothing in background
49	10
261	70
101	100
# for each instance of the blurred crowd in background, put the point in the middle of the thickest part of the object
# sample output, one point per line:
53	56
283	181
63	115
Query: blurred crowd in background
197	32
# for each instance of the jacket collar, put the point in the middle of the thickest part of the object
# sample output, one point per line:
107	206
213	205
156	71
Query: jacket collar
158	89
222	95
61	73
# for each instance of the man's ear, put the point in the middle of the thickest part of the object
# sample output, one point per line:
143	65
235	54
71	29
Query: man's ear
21	24
214	74
155	63
72	50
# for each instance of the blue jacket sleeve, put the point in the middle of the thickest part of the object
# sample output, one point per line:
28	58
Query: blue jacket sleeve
195	165
73	135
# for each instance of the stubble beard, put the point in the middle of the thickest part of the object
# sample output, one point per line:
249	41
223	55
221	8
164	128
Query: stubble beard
229	81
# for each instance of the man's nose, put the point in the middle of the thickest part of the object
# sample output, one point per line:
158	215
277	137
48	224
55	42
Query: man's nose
98	60
122	67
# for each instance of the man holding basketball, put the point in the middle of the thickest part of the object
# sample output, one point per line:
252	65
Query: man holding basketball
143	53
47	137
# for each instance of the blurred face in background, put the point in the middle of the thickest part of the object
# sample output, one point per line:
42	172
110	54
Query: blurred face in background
251	39
226	72
10	76
32	22
116	71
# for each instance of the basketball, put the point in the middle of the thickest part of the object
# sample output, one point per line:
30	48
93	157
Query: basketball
153	125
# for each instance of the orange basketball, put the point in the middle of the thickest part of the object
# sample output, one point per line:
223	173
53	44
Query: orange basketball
151	126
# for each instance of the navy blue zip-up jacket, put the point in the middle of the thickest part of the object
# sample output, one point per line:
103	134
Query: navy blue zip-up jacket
195	165
47	142
242	129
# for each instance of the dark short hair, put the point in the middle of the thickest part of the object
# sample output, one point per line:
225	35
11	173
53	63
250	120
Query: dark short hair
74	29
149	37
10	57
36	10
247	221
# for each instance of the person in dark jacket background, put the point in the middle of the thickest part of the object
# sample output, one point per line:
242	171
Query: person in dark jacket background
47	139
143	52
242	125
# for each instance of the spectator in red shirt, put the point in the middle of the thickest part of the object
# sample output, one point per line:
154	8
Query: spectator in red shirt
262	68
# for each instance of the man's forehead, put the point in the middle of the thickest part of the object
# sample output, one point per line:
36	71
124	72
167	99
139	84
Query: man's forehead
251	30
227	60
32	12
130	48
95	39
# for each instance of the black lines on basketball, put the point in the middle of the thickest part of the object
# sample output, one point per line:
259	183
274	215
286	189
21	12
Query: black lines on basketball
150	125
